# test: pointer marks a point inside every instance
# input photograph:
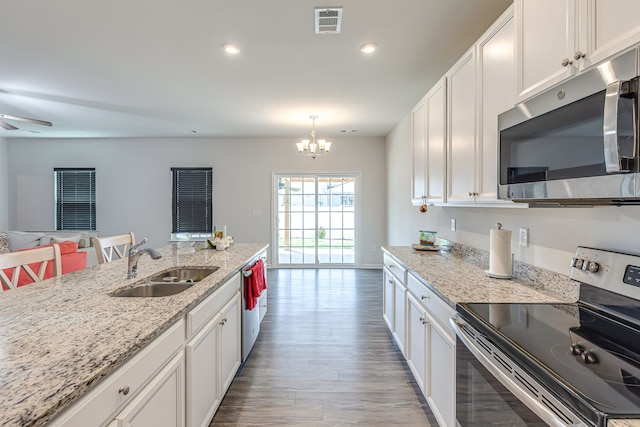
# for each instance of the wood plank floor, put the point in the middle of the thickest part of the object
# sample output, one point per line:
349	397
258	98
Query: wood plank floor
324	357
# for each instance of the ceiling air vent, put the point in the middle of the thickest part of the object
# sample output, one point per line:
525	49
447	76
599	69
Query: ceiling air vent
328	20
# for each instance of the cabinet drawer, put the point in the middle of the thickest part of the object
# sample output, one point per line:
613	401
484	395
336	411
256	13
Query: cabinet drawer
435	306
396	269
208	308
97	406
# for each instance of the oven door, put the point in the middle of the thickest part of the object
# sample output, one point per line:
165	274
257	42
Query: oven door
491	389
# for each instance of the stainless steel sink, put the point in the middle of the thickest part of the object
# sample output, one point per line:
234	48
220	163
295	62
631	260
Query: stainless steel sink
167	282
154	290
182	275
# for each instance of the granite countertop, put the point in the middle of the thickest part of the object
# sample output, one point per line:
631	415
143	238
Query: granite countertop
60	336
457	279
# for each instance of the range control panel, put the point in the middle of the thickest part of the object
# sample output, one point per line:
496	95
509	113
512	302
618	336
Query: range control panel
614	271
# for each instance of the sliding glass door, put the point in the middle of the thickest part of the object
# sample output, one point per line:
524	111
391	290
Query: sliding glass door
316	219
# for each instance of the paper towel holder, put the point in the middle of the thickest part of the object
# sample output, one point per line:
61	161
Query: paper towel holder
500	276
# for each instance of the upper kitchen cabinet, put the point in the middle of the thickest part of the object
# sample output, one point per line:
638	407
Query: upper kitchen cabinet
496	94
481	85
461	129
428	124
560	38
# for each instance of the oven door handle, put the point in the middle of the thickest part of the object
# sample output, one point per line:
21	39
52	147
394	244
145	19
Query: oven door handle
531	402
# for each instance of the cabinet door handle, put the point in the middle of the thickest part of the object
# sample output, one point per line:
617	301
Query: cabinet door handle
566	62
223	321
124	390
425	297
424	320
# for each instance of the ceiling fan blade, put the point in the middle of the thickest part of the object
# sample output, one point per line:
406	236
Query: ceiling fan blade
25	119
7	126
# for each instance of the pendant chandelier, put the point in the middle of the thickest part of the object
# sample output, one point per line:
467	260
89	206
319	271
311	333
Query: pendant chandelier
312	147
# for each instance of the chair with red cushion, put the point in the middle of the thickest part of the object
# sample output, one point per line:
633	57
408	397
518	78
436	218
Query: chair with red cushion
19	268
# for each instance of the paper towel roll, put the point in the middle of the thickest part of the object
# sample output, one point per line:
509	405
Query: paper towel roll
500	264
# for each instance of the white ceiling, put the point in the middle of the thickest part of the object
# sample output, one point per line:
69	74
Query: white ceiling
155	68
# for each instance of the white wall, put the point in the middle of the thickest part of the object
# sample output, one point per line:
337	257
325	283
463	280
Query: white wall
133	182
554	233
4	185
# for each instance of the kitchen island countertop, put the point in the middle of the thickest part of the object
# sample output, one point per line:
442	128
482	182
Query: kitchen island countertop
58	338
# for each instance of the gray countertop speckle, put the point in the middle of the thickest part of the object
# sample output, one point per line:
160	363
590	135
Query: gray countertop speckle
59	337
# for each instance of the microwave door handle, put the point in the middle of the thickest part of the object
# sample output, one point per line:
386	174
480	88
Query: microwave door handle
612	160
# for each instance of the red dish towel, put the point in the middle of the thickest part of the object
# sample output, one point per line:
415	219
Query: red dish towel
254	284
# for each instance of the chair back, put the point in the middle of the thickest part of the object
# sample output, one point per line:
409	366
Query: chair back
15	265
112	248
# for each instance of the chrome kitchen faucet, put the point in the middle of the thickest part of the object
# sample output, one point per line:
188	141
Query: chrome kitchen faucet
134	256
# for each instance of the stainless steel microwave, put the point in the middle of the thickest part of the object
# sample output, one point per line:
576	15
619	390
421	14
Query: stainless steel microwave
576	144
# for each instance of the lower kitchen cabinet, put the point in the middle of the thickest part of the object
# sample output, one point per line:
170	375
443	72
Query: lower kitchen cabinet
417	342
388	299
213	357
161	402
400	298
442	394
421	317
230	342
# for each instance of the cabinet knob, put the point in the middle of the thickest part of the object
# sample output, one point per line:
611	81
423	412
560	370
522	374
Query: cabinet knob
425	297
423	320
566	62
223	321
124	390
579	55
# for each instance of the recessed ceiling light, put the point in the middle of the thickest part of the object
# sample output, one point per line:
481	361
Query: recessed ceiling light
368	48
231	49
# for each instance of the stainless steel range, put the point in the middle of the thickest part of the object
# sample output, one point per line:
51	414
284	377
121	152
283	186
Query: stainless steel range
557	364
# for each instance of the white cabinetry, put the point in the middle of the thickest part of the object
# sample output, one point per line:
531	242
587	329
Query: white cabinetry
431	349
559	38
428	126
213	353
388	299
461	129
396	277
496	94
481	85
230	347
417	341
161	403
148	380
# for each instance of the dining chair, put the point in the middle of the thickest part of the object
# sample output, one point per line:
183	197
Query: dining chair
14	264
112	248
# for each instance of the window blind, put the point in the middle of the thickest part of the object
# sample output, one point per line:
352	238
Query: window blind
75	198
192	200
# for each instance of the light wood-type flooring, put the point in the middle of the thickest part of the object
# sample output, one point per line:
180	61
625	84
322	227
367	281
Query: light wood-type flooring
324	357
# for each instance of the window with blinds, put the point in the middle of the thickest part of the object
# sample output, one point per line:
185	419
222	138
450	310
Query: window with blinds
75	198
192	200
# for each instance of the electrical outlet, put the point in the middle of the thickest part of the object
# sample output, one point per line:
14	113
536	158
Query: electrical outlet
453	224
524	237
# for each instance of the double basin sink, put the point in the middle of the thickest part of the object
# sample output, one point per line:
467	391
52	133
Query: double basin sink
167	282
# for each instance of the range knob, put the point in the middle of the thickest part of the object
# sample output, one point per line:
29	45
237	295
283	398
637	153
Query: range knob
577	349
588	357
577	262
591	266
